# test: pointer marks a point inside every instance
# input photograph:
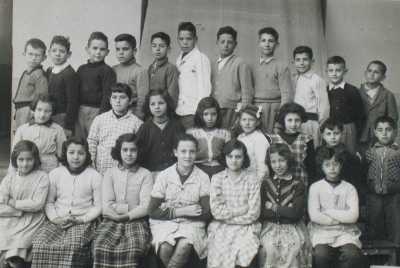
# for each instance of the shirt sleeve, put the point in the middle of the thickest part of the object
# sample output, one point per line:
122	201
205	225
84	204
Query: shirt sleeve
351	213
50	207
159	187
109	78
392	107
314	207
72	95
246	83
218	205
96	208
60	138
142	87
109	195
260	149
144	198
5	191
295	212
285	85
37	202
93	139
203	77
254	203
322	100
172	83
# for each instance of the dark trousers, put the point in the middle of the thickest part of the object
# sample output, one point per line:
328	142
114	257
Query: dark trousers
346	256
383	217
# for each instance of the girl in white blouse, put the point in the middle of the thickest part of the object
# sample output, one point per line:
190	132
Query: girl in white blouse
73	205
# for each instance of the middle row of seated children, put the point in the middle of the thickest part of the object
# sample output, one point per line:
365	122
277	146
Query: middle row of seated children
248	218
83	95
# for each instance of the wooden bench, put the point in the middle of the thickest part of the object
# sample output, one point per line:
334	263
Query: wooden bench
383	248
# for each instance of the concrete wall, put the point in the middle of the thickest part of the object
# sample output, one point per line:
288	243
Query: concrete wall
364	30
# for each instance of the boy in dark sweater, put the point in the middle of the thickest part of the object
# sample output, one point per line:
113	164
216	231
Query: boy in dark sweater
96	79
345	102
230	77
32	82
63	84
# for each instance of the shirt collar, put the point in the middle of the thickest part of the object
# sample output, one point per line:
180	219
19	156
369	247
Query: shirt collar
266	61
160	63
47	124
130	62
128	113
132	169
393	145
339	86
287	177
307	74
34	69
224	59
182	59
59	68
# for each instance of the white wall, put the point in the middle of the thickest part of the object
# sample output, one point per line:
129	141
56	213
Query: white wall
74	18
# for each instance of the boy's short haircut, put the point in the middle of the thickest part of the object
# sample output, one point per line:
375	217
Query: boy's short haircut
62	41
163	36
336	60
122	88
227	30
185	137
36	43
44	98
331	124
130	39
187	26
385	119
380	63
97	36
303	49
270	31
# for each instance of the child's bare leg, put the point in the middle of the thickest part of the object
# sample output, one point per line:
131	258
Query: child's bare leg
181	254
165	252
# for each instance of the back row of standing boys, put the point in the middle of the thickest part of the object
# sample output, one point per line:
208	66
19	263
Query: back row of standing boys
249	101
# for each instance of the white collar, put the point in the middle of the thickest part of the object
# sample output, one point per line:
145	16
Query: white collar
341	85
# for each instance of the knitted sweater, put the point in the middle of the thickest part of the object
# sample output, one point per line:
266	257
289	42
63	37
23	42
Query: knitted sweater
232	84
383	175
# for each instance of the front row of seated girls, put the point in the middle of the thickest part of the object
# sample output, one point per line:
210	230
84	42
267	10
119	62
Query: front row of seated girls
247	218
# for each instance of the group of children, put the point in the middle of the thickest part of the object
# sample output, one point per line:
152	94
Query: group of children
226	163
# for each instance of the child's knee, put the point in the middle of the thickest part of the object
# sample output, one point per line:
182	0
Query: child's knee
322	252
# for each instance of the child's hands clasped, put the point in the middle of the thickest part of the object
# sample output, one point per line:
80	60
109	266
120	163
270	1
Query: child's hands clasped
191	211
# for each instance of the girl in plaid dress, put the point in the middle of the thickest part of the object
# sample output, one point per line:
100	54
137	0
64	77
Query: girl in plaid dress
73	205
123	237
284	237
179	207
291	116
22	198
248	127
210	135
235	204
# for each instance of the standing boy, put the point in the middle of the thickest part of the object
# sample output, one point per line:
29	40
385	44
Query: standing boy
345	102
130	72
377	100
96	78
194	78
163	75
107	127
230	77
383	179
63	84
310	92
272	85
32	82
